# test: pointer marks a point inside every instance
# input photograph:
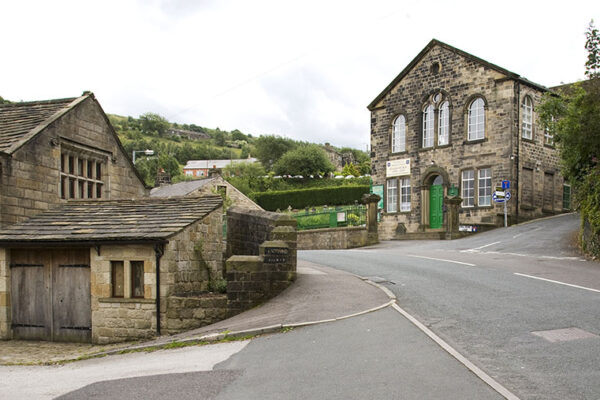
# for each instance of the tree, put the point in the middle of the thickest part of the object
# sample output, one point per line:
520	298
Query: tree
219	138
350	169
573	117
269	149
152	123
245	169
592	45
305	160
148	167
3	101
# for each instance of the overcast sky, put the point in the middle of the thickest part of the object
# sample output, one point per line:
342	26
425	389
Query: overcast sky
301	69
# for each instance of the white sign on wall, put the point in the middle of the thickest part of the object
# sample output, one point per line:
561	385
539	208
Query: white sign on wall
397	167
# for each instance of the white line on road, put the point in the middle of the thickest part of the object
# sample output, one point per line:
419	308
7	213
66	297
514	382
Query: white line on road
441	259
459	357
478	248
558	282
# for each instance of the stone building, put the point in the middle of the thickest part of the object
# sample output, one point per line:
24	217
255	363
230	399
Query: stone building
453	122
212	185
91	270
56	150
203	168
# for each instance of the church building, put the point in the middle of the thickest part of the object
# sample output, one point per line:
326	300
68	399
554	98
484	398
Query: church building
454	125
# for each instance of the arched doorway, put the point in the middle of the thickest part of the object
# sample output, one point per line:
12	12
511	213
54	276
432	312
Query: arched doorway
436	200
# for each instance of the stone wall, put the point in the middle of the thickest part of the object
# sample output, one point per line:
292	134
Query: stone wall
31	177
333	238
127	318
248	229
238	199
185	313
459	80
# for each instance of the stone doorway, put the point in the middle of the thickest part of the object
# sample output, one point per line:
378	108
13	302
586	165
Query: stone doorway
433	189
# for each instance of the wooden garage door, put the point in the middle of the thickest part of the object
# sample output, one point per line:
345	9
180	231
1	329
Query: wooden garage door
50	294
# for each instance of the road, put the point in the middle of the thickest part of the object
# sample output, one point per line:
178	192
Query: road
519	303
499	298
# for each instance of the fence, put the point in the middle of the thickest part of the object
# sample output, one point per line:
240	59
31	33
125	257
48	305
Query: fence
331	217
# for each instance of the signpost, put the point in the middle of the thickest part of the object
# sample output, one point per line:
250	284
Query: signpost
502	195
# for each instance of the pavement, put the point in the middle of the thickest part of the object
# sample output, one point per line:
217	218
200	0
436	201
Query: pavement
319	295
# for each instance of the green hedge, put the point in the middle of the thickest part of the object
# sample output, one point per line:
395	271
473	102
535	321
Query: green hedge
301	198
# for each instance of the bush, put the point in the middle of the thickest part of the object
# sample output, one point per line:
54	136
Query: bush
339	195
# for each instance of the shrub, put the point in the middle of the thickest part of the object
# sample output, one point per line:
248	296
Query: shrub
339	195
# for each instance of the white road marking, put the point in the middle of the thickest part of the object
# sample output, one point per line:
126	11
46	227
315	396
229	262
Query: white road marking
558	282
441	259
459	357
476	249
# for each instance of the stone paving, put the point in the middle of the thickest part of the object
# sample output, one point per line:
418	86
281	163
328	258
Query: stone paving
27	352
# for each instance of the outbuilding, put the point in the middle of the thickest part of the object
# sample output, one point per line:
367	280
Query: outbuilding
108	270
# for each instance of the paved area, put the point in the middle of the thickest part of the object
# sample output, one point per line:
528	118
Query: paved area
319	293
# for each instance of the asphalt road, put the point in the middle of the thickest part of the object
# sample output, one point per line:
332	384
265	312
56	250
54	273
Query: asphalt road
494	296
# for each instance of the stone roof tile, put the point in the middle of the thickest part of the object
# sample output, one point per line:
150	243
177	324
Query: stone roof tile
112	220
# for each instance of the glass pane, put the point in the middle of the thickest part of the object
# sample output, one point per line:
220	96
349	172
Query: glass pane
137	279
117	278
98	171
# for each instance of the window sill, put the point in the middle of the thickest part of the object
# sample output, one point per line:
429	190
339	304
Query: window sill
398	153
476	141
526	207
549	146
527	140
125	300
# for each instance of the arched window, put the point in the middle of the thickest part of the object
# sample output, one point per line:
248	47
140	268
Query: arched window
428	122
527	112
476	119
399	135
443	124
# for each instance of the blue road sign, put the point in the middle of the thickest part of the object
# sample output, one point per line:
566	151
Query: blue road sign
507	195
497	199
506	184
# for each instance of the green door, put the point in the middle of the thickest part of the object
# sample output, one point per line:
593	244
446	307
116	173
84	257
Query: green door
436	194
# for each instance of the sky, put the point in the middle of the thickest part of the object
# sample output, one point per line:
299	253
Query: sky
300	69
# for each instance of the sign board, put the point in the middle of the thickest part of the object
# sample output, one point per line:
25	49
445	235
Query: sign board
341	216
500	194
397	167
505	184
507	195
498	199
378	190
467	228
276	255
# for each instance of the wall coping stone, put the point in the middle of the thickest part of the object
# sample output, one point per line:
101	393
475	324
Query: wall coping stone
125	300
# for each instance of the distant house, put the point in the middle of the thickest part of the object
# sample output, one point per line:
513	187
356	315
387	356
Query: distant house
201	168
193	135
56	150
215	184
91	270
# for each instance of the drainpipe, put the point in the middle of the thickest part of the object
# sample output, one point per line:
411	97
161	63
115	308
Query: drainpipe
159	250
517	155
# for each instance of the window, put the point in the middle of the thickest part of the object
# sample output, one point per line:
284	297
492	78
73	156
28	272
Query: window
117	278
77	179
468	188
189	173
405	194
527	112
137	279
392	195
476	130
399	135
443	124
428	121
549	133
566	197
484	185
127	271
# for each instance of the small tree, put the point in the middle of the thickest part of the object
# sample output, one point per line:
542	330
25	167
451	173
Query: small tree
269	149
592	45
350	169
305	160
152	123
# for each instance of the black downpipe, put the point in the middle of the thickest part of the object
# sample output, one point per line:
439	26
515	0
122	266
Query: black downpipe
159	250
518	155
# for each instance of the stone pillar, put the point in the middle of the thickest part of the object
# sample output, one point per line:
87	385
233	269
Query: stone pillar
371	200
5	316
289	235
452	206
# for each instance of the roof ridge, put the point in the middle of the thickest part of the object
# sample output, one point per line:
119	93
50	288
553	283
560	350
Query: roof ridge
41	102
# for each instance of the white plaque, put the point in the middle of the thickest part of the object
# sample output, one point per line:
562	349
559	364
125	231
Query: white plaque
397	167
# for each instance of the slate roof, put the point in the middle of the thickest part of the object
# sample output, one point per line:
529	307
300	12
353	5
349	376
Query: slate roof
435	42
180	189
138	220
19	122
219	164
